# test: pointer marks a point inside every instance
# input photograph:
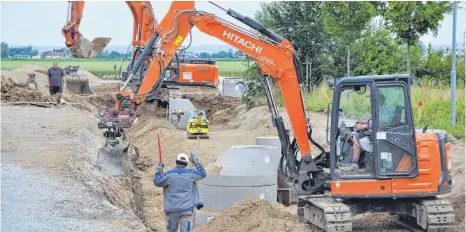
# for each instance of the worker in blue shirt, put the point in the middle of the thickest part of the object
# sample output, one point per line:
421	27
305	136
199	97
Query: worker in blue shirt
181	194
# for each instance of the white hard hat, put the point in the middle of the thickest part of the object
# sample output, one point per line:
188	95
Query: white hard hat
182	157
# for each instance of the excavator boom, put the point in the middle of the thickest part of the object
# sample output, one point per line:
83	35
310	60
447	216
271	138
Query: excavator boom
144	27
274	55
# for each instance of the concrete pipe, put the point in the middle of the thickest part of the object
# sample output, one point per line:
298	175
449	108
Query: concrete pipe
246	172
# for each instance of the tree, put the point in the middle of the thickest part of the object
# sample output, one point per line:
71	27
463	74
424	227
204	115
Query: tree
5	50
238	54
300	23
230	53
204	55
379	53
345	21
410	20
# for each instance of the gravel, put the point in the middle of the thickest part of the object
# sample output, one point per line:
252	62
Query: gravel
34	201
39	191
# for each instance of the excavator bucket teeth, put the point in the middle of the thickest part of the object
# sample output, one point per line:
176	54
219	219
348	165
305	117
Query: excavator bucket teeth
110	161
88	49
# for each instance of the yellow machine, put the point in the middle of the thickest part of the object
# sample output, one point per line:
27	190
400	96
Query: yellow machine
198	125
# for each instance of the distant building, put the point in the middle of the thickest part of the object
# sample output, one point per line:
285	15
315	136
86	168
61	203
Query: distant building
53	55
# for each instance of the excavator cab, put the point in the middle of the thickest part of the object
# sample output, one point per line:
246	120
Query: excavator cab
394	167
373	128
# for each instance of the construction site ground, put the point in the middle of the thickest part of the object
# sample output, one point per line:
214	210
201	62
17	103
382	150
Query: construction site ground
49	182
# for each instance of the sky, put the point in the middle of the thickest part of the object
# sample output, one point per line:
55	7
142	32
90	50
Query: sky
39	23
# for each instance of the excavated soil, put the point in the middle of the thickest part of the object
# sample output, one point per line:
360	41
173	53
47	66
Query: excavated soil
17	87
219	109
255	216
19	92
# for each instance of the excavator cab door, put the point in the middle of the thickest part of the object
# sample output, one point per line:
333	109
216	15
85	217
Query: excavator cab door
371	116
395	145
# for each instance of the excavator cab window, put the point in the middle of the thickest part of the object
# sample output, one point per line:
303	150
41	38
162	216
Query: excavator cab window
354	141
396	148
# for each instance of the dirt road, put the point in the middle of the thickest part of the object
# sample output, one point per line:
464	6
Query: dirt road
39	192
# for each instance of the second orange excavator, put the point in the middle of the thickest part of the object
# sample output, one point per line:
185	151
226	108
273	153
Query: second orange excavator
180	72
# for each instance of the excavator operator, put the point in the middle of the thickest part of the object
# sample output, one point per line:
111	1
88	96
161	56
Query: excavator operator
364	130
181	194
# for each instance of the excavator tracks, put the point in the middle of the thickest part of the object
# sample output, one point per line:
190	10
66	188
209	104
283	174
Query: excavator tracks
433	215
325	213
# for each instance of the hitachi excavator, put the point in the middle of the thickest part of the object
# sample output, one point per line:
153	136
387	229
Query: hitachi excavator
400	170
179	73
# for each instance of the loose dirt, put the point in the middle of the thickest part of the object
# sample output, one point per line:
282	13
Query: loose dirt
219	109
19	92
256	216
48	177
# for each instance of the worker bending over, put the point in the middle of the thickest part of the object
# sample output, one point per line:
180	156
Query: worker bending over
181	194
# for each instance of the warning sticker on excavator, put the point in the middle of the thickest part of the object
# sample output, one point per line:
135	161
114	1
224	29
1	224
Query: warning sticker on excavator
187	75
178	40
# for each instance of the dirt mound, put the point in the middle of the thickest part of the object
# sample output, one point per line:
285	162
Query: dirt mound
21	75
218	108
92	78
254	216
19	92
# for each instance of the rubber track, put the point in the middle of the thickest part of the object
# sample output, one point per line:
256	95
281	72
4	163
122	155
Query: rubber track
328	214
440	217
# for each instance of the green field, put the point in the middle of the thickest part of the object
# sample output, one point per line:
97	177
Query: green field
104	67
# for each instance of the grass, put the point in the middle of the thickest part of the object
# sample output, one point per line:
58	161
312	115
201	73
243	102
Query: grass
104	67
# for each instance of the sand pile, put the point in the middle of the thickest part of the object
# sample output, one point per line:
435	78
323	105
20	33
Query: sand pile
19	92
84	72
254	216
218	108
20	75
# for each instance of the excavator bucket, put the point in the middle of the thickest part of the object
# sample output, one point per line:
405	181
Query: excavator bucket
75	83
110	160
88	49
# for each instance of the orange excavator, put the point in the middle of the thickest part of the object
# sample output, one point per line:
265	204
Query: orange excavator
80	47
179	72
400	170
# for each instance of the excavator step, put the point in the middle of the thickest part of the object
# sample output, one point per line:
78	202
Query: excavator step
325	213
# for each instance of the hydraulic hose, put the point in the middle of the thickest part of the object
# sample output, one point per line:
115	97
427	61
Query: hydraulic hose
144	53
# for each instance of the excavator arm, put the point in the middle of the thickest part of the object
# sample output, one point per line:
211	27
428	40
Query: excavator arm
144	27
274	54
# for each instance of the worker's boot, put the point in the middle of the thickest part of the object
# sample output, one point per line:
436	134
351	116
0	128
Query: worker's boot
352	167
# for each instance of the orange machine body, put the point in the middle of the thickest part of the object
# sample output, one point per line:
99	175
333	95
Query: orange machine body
426	182
198	74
